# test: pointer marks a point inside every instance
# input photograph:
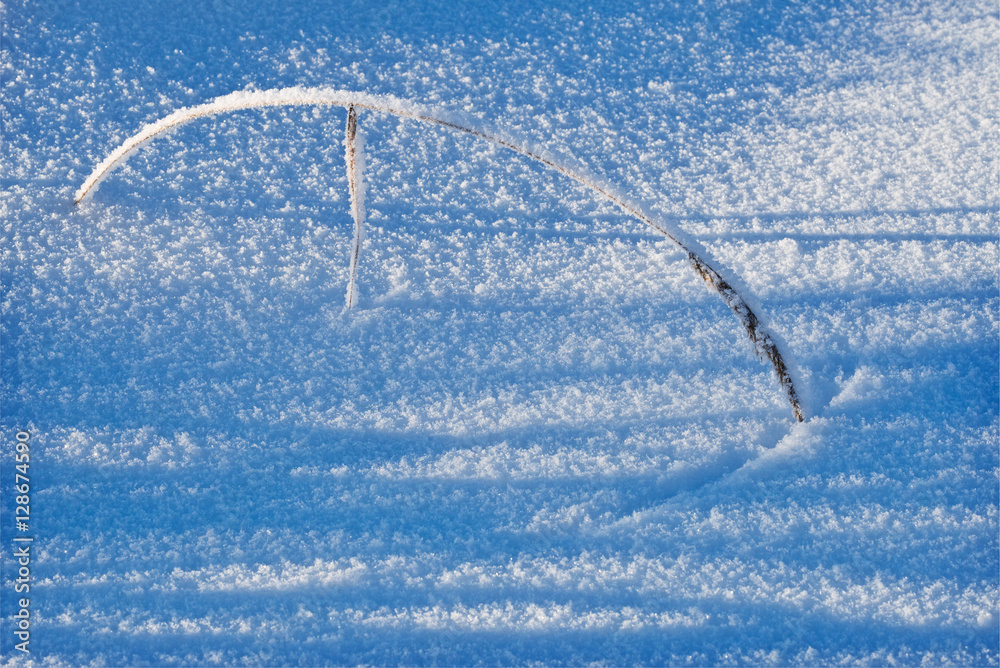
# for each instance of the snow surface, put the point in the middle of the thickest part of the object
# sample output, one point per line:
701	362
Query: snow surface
538	437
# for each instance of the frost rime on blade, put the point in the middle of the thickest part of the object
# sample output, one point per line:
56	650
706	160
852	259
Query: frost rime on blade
764	343
354	154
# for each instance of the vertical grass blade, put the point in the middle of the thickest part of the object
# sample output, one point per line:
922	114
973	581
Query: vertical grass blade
355	181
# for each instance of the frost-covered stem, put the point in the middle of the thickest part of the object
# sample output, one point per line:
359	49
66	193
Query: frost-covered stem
765	346
355	181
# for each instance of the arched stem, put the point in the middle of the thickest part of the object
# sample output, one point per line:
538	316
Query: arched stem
765	346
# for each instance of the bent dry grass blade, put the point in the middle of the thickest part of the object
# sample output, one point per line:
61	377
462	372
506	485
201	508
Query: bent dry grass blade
764	343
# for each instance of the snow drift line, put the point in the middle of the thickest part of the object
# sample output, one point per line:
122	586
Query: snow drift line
764	342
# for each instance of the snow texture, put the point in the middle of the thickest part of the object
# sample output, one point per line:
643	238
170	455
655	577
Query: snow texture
537	438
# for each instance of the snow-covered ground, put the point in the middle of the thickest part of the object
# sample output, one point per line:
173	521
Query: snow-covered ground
538	438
